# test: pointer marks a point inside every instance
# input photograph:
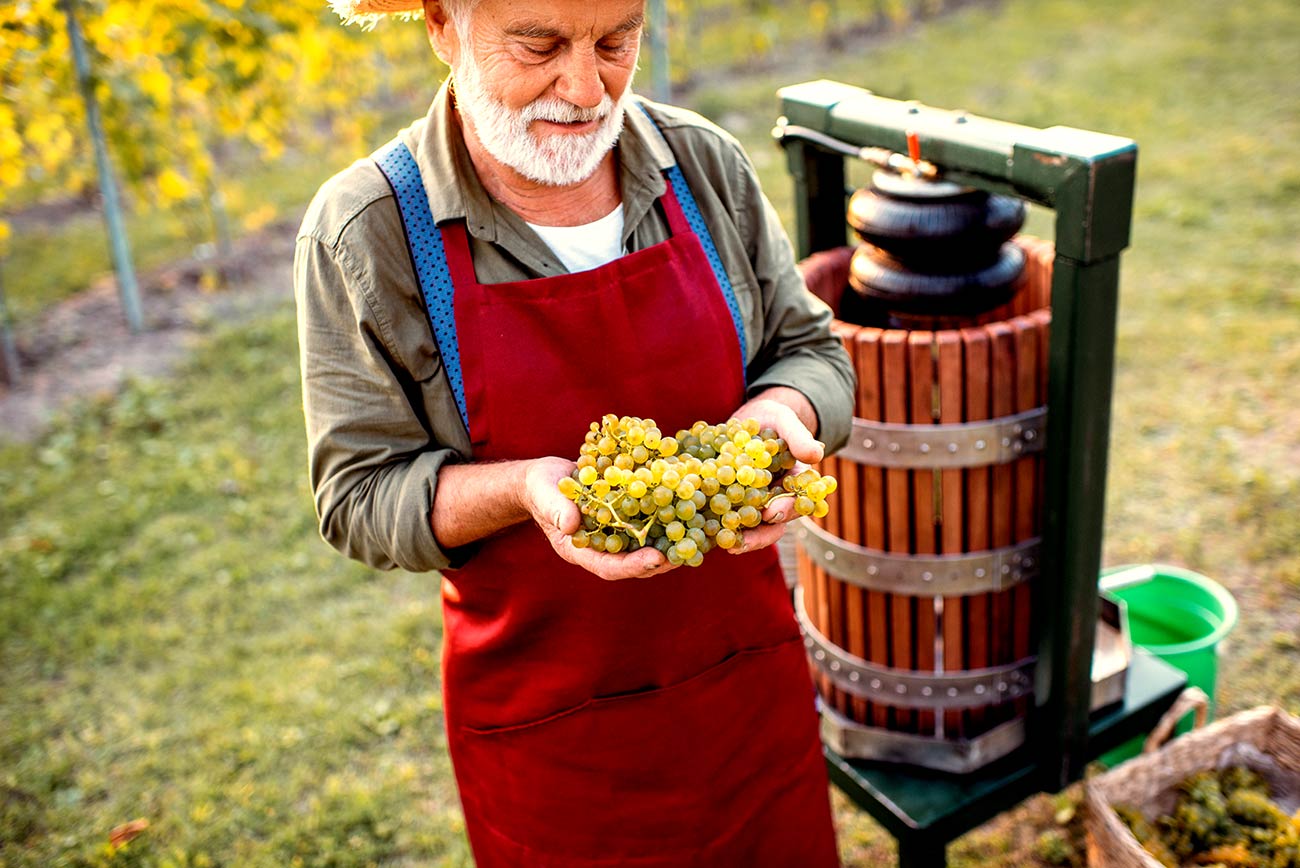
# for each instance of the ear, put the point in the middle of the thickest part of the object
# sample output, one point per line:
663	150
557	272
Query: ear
442	34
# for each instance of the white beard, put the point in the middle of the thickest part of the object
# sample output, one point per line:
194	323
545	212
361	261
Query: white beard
558	160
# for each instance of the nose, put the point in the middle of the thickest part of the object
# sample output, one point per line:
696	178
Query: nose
579	79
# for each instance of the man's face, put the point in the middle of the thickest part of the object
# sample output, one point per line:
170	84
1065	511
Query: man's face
543	83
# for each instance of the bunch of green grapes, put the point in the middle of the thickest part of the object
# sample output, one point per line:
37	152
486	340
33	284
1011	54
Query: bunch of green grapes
687	493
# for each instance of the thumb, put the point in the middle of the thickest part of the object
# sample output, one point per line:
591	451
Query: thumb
549	505
804	446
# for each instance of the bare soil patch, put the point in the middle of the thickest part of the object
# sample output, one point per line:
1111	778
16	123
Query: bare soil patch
82	347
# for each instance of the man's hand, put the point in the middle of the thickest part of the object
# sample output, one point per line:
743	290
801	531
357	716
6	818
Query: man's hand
558	517
787	412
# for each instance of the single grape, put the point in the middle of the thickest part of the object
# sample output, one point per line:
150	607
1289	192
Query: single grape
821	509
686	548
730	520
726	538
615	543
663	495
636	488
804	505
666	513
569	487
750	516
695	560
580	540
685	509
596	540
588	475
674	530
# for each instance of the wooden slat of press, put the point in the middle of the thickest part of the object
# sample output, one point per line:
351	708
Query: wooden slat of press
976	349
835	602
848	503
1002	387
920	365
898	514
870	406
832	590
1027	336
813	590
952	512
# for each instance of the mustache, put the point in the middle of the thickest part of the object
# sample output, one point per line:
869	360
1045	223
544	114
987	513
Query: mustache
556	110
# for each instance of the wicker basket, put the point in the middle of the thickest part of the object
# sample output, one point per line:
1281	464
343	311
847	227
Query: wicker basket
1149	781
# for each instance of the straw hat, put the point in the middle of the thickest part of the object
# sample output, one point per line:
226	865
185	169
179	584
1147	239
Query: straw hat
367	13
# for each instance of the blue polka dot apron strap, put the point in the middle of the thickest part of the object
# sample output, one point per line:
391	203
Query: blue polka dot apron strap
424	241
695	219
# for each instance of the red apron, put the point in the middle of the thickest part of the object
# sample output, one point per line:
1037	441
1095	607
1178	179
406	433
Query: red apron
666	721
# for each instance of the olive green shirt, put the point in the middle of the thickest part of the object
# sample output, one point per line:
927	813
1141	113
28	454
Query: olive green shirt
381	419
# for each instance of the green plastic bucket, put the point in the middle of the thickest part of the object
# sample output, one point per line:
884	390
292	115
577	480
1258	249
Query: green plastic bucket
1177	615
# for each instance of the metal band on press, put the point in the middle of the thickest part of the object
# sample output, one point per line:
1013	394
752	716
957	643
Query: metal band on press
936	447
920	575
928	690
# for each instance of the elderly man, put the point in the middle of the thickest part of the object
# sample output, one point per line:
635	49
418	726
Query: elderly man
541	249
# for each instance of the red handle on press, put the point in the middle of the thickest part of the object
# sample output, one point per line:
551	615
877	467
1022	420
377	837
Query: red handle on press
914	148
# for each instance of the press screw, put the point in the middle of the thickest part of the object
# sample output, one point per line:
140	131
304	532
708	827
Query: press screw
925	447
868	443
980	444
854	676
952	447
894	447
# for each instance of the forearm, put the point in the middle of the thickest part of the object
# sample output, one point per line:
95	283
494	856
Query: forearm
476	500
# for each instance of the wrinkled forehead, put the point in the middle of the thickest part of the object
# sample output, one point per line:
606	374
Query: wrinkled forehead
549	19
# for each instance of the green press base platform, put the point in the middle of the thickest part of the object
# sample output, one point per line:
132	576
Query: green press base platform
925	810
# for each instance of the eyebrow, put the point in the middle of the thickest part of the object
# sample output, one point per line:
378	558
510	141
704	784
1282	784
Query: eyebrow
536	30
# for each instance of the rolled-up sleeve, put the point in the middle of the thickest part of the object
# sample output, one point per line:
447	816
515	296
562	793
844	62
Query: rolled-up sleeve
372	460
798	349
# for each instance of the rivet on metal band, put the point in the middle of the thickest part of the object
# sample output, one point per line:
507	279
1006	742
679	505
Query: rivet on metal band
948	690
920	575
964	444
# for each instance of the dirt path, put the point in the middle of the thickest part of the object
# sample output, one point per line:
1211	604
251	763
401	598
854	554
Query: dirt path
82	347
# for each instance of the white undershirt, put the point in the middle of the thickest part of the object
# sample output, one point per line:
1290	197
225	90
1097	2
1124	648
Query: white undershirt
588	246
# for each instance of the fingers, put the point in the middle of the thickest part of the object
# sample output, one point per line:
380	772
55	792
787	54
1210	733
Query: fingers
786	423
780	511
756	538
638	564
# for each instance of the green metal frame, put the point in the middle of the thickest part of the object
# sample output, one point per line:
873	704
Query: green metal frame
1087	178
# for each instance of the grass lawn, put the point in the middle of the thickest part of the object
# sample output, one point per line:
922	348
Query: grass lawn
178	645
